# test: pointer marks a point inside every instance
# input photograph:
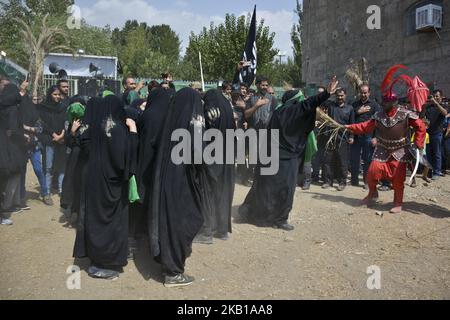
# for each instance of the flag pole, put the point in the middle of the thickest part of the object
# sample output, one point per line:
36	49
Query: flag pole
201	70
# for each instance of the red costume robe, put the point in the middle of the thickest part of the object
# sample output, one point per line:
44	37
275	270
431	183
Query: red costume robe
392	153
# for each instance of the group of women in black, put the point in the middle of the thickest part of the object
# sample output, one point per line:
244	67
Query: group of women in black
115	150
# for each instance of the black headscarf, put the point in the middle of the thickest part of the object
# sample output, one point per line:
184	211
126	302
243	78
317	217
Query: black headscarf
9	96
53	116
29	112
134	111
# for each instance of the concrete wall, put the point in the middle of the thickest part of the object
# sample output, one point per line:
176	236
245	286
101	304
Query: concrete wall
336	31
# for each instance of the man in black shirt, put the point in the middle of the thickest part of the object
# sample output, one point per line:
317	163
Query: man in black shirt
435	112
363	147
64	90
338	152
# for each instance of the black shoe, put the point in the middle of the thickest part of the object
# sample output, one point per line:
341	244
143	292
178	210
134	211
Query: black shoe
180	280
355	184
221	236
202	239
384	188
284	226
306	186
99	273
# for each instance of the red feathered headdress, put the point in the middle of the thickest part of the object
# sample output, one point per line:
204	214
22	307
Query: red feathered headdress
386	86
417	90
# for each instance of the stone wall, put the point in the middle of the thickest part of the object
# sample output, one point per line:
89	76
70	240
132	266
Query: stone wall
336	31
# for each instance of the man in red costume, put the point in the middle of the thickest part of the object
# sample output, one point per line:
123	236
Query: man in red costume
392	153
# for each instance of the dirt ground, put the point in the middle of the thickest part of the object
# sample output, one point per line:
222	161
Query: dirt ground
326	257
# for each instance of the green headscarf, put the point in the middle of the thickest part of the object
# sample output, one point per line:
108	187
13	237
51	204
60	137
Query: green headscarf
298	97
107	93
75	111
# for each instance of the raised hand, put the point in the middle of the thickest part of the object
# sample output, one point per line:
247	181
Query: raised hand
333	85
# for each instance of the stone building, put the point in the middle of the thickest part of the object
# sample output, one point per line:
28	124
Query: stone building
336	31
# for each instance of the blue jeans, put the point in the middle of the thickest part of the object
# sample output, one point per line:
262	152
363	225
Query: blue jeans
35	156
447	152
434	152
361	149
49	160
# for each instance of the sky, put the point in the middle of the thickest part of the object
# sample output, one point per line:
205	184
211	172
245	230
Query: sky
185	16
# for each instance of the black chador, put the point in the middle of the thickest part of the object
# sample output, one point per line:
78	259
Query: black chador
220	176
176	211
108	149
271	198
150	124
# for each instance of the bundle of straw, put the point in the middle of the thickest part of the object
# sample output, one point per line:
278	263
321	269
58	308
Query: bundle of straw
330	126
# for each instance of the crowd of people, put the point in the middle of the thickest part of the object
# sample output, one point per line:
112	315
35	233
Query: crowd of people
109	160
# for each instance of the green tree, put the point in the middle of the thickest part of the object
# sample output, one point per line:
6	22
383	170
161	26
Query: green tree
165	41
10	38
93	40
295	73
146	51
53	7
222	47
137	57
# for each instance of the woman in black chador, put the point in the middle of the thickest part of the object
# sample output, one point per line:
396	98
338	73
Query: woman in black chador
150	124
176	210
108	147
271	198
220	177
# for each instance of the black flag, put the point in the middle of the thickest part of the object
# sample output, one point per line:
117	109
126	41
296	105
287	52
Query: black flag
248	73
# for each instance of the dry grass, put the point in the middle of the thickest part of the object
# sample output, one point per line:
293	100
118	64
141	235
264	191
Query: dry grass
330	126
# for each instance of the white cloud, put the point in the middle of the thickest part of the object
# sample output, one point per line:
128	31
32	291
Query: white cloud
115	14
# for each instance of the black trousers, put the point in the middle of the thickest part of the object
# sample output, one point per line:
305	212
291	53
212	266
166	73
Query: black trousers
336	164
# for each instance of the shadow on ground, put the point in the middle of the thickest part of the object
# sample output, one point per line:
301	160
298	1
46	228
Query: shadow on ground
413	207
145	264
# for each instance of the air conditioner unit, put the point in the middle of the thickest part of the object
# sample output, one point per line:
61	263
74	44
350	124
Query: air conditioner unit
429	17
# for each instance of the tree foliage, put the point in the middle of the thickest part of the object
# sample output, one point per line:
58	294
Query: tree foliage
146	51
295	73
93	40
222	47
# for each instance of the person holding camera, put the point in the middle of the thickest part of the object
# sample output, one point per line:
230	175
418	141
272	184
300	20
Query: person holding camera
435	112
132	90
